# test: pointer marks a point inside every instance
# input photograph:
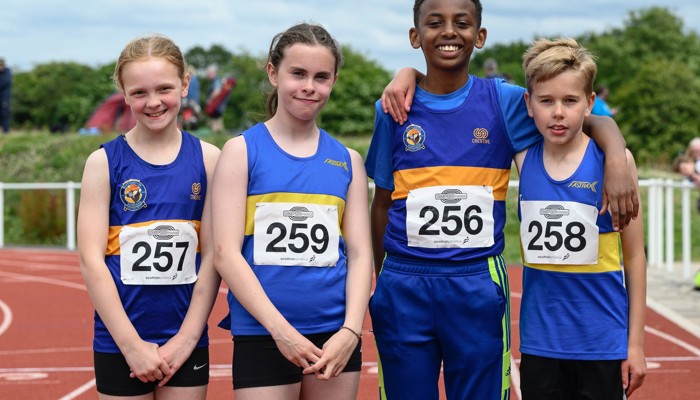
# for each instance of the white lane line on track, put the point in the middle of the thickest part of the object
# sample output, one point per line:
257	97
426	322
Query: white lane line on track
30	278
7	317
673	339
82	389
674	317
40	267
48	350
45	369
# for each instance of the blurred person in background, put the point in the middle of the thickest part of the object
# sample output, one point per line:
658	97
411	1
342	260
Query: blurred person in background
5	90
600	105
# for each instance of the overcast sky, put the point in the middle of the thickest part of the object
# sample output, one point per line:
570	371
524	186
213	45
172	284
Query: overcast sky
93	32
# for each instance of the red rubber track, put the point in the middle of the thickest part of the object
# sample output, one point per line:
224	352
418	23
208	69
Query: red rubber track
46	337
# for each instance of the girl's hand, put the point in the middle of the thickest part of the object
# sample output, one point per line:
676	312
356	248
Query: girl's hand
175	353
336	353
297	349
145	362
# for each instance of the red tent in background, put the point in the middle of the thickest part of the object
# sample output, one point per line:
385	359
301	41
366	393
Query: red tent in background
113	115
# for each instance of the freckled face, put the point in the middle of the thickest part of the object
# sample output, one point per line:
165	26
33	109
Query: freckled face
153	89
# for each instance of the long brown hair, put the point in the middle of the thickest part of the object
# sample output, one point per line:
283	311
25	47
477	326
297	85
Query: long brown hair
303	33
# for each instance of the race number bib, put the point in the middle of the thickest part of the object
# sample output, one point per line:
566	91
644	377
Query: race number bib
562	232
293	234
162	253
450	217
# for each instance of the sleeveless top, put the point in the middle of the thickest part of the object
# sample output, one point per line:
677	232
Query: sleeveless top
153	245
293	233
574	303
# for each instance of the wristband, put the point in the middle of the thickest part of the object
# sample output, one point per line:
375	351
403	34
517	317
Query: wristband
357	335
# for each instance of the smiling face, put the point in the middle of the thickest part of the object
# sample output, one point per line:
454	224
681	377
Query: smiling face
559	106
304	80
447	31
153	89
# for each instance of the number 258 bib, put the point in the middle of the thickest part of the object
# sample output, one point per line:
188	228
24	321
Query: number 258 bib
562	232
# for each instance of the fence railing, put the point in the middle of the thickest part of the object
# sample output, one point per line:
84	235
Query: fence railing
69	187
659	207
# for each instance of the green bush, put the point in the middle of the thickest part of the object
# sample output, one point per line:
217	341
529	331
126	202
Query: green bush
43	217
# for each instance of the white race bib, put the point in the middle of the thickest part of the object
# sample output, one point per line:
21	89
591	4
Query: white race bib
293	234
162	253
450	217
559	232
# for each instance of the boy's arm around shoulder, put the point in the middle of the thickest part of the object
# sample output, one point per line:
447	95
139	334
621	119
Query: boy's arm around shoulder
620	193
398	94
634	259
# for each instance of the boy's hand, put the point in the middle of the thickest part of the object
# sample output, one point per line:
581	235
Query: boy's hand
398	95
620	195
634	369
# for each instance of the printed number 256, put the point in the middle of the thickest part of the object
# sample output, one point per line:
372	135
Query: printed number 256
470	221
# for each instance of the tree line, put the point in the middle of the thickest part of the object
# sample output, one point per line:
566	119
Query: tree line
651	65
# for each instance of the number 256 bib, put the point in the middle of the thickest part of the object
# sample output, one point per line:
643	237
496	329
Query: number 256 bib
293	234
450	217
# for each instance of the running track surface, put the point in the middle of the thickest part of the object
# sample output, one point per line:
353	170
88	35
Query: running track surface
46	337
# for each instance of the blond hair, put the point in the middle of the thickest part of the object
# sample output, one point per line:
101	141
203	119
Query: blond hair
149	47
546	59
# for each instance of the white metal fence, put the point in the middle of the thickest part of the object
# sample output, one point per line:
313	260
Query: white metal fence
69	187
659	207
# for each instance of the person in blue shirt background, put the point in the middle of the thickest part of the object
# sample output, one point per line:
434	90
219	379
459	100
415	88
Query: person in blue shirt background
600	105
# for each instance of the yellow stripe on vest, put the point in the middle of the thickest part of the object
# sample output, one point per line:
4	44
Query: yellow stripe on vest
608	258
409	179
287	197
113	236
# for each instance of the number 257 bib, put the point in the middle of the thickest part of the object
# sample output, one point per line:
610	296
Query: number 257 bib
162	253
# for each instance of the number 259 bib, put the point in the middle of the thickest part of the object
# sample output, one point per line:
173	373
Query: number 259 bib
450	217
293	234
162	253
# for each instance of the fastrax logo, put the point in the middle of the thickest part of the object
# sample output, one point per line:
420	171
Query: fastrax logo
583	185
336	163
554	211
451	196
298	213
163	232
